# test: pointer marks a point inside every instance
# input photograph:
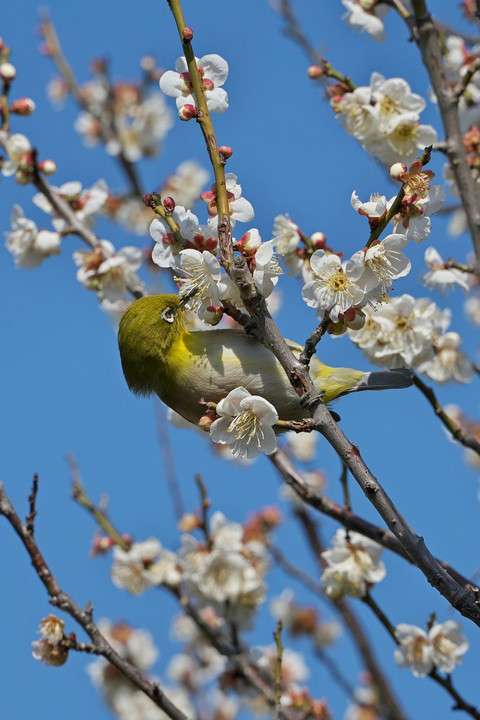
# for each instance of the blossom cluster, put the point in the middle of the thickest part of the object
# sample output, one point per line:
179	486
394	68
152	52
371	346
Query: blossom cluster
384	118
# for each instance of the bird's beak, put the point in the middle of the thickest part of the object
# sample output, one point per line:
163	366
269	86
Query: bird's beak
187	296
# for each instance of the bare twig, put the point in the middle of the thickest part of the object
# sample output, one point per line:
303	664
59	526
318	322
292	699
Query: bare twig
456	431
65	602
32	500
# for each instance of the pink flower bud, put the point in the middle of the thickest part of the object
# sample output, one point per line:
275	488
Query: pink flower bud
314	72
205	423
48	167
187	112
318	240
396	170
225	151
22	106
213	314
249	243
187	34
8	71
169	205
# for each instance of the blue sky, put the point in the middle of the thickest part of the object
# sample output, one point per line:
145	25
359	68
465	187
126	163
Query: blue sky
61	383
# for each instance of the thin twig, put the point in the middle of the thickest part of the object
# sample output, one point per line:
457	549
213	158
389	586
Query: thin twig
32	500
456	431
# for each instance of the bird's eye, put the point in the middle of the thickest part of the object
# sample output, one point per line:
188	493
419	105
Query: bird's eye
168	315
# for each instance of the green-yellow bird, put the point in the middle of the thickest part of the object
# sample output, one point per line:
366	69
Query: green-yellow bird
160	355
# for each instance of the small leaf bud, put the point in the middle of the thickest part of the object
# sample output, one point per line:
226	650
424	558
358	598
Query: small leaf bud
396	170
315	71
187	34
22	106
187	112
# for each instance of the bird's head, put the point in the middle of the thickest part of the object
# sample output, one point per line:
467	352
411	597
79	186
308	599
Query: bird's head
147	330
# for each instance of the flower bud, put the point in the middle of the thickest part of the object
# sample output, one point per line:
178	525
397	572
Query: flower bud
213	314
147	63
337	328
205	423
24	175
225	151
318	240
396	170
48	167
357	322
187	34
315	71
7	71
187	112
22	106
249	243
188	522
169	205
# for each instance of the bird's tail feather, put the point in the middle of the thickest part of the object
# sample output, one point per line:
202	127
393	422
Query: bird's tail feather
385	379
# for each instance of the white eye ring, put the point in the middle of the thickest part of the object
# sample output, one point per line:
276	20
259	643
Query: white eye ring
168	315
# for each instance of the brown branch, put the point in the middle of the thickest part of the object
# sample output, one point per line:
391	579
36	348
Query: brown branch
427	38
64	602
349	520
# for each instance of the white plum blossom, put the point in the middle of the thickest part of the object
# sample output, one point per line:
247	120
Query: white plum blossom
203	272
107	271
51	628
294	668
85	203
302	445
213	70
186	183
449	362
17	146
384	117
401	332
240	208
374	268
286	235
440	648
332	289
376	207
245	423
28	245
413	218
367	15
472	309
145	564
440	276
352	565
267	269
166	246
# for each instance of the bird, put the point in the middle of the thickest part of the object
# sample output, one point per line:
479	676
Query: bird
160	355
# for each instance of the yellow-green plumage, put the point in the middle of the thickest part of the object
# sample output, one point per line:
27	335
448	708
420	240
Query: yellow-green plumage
159	355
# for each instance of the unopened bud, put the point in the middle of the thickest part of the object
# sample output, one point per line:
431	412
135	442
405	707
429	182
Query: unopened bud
169	205
213	314
357	322
205	423
337	328
208	84
315	71
23	176
147	63
396	170
249	243
225	151
22	106
151	200
8	71
187	34
187	112
318	240
48	167
188	522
